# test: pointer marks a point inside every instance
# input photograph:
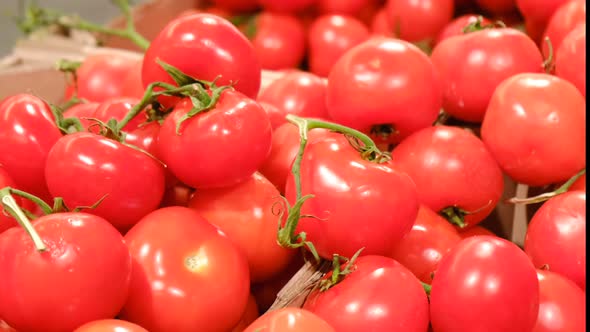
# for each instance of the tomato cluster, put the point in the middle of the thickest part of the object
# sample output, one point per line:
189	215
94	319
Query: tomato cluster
176	193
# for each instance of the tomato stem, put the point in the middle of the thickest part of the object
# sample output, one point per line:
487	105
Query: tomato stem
545	196
548	63
427	288
15	211
339	274
455	215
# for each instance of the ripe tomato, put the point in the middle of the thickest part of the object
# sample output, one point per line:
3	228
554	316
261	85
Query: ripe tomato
27	132
418	20
249	315
5	328
6	221
423	247
237	5
330	36
82	168
384	83
244	212
565	19
286	6
110	325
580	184
289	319
497	6
456	26
484	284
353	200
443	157
476	230
379	295
570	58
539	11
343	7
562	304
83	112
481	59
275	115
178	194
221	48
556	236
529	121
187	275
217	148
380	24
117	108
59	289
279	40
298	92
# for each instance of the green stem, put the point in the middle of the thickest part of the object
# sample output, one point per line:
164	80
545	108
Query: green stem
41	203
548	63
455	215
427	287
545	196
14	210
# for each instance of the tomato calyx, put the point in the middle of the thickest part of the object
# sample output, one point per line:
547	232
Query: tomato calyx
383	131
338	273
10	205
478	25
455	215
546	196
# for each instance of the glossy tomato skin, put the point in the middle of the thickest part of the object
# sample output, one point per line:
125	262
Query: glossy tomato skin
275	115
361	94
330	36
83	112
289	319
380	24
419	20
424	246
579	184
556	236
495	283
566	18
5	328
220	147
379	295
451	167
187	275
476	230
6	221
221	48
353	199
472	65
110	325
27	132
456	26
82	168
117	108
529	121
343	7
570	58
286	6
244	212
60	289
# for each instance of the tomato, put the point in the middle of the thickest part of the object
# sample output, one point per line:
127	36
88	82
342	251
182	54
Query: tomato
132	84
380	24
570	58
220	147
117	108
443	157
83	112
237	5
456	26
102	76
384	83
187	275
579	184
27	132
244	212
279	40
484	284
177	195
342	7
529	121
275	115
82	168
330	36
249	315
418	20
423	247
7	221
286	6
379	295
298	92
59	289
353	200
564	19
5	328
110	325
289	319
481	59
556	236
266	291
562	304
539	11
221	48
497	6
476	230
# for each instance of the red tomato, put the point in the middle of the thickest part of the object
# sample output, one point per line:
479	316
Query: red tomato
117	108
570	58
538	11
132	84
497	6
221	50
83	112
353	200
279	40
380	24
249	316
481	59
456	26
237	5
565	19
580	184
244	212
556	236
384	82
110	325
298	92
484	284
476	230
102	76
187	276
275	115
7	221
330	36
343	7
84	167
60	289
562	306
423	247
529	121
418	20
443	157
5	328
289	320
27	132
177	195
286	6
217	148
535	30
380	295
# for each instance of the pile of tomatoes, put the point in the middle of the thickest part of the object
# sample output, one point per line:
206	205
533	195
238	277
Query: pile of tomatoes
172	193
